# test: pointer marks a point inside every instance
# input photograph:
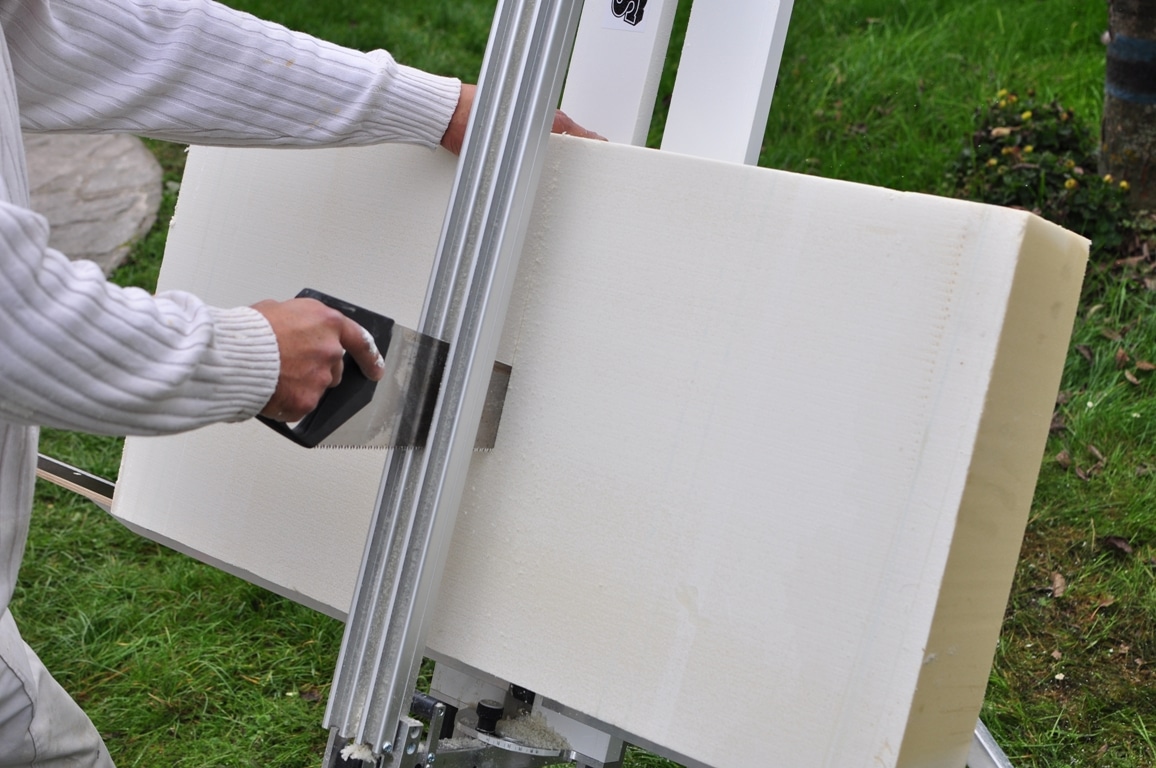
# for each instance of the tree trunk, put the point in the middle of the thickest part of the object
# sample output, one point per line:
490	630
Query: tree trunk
1128	148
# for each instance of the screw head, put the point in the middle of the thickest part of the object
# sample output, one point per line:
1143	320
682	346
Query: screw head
387	747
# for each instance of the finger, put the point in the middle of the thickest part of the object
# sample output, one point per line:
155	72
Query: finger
359	343
335	371
565	125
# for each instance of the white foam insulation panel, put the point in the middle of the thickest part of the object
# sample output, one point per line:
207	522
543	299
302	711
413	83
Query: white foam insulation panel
766	458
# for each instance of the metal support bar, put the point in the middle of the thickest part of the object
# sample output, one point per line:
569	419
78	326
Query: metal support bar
469	293
95	489
985	752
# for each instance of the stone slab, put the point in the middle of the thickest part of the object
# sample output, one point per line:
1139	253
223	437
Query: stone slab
99	193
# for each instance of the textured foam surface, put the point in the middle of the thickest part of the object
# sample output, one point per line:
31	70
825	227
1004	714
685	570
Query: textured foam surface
766	458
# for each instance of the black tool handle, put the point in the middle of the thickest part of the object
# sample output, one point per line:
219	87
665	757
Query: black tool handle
355	390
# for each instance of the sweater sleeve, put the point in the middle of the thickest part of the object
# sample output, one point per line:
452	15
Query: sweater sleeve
81	353
77	352
199	72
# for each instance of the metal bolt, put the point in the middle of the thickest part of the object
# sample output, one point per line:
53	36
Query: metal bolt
429	759
387	747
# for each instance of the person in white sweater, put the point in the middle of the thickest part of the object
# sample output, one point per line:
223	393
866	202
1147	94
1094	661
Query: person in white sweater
79	353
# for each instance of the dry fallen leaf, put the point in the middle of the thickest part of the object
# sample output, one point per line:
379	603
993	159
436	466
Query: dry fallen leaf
1058	424
1144	365
1086	351
1122	358
1096	454
1104	603
1064	459
1057	655
1131	377
1059	585
1118	543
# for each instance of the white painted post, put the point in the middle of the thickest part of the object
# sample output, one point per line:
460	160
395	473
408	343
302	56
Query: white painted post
616	66
726	77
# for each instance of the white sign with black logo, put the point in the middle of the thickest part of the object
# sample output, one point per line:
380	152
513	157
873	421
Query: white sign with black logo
628	15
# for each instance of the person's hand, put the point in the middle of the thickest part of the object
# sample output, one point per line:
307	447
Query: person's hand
313	339
456	132
567	127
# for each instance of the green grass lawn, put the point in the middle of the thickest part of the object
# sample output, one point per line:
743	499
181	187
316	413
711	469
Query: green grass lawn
181	665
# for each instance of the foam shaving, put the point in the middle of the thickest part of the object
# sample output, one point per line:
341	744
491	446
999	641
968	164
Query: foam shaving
533	731
361	752
378	360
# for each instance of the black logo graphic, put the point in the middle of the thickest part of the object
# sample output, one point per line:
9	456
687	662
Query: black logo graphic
629	11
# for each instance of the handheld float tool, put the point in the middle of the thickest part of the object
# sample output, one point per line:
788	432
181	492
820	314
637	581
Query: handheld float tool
397	411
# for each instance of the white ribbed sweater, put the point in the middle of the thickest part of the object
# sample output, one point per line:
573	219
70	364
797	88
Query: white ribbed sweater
79	353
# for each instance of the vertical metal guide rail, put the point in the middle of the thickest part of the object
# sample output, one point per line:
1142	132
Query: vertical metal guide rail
466	304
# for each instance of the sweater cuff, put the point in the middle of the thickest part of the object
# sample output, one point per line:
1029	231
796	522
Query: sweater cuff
427	101
245	350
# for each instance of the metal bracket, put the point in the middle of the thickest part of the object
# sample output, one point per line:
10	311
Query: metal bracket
985	752
469	747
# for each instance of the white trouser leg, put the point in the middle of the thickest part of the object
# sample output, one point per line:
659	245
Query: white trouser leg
40	725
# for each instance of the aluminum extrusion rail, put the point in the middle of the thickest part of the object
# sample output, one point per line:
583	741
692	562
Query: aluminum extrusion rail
469	293
985	752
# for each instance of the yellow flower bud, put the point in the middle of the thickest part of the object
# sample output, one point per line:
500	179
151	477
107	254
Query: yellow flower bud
1029	149
1125	186
1108	178
1071	184
993	161
1026	115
